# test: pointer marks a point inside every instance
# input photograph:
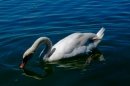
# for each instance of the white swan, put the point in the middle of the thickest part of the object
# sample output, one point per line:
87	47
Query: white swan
72	45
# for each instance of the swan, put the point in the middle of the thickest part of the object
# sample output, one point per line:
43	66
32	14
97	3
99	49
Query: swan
70	46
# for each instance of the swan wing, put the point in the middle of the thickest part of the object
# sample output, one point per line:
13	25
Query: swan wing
71	45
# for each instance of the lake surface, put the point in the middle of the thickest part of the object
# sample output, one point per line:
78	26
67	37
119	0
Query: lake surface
22	22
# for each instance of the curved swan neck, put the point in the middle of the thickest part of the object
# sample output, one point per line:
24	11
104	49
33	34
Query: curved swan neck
40	41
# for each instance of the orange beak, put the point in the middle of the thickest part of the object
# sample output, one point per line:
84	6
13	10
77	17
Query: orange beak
22	65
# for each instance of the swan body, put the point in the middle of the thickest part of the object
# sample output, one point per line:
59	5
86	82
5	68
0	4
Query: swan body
70	46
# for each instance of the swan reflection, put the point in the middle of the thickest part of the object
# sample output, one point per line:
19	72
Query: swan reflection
81	63
47	70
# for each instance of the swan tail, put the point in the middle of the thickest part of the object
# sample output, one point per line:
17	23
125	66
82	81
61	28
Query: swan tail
100	33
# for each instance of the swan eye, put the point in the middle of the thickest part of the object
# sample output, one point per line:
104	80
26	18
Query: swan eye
25	59
28	57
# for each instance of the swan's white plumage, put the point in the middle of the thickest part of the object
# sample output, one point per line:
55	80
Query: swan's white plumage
72	45
69	46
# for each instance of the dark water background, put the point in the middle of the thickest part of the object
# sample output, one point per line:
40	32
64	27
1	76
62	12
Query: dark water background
22	22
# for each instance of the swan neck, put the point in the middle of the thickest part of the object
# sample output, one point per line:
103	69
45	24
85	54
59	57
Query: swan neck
40	41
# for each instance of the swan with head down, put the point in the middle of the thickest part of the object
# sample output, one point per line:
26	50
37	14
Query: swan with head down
72	45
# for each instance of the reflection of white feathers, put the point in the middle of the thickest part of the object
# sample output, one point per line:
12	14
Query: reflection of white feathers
36	77
101	58
69	64
80	63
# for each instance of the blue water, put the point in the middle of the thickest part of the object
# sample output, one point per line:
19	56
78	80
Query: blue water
22	22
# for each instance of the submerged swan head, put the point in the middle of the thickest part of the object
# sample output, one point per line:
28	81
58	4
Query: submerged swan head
31	51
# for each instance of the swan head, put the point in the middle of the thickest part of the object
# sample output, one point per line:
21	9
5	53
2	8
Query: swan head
30	52
26	57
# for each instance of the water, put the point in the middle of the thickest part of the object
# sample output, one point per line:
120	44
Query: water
22	22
